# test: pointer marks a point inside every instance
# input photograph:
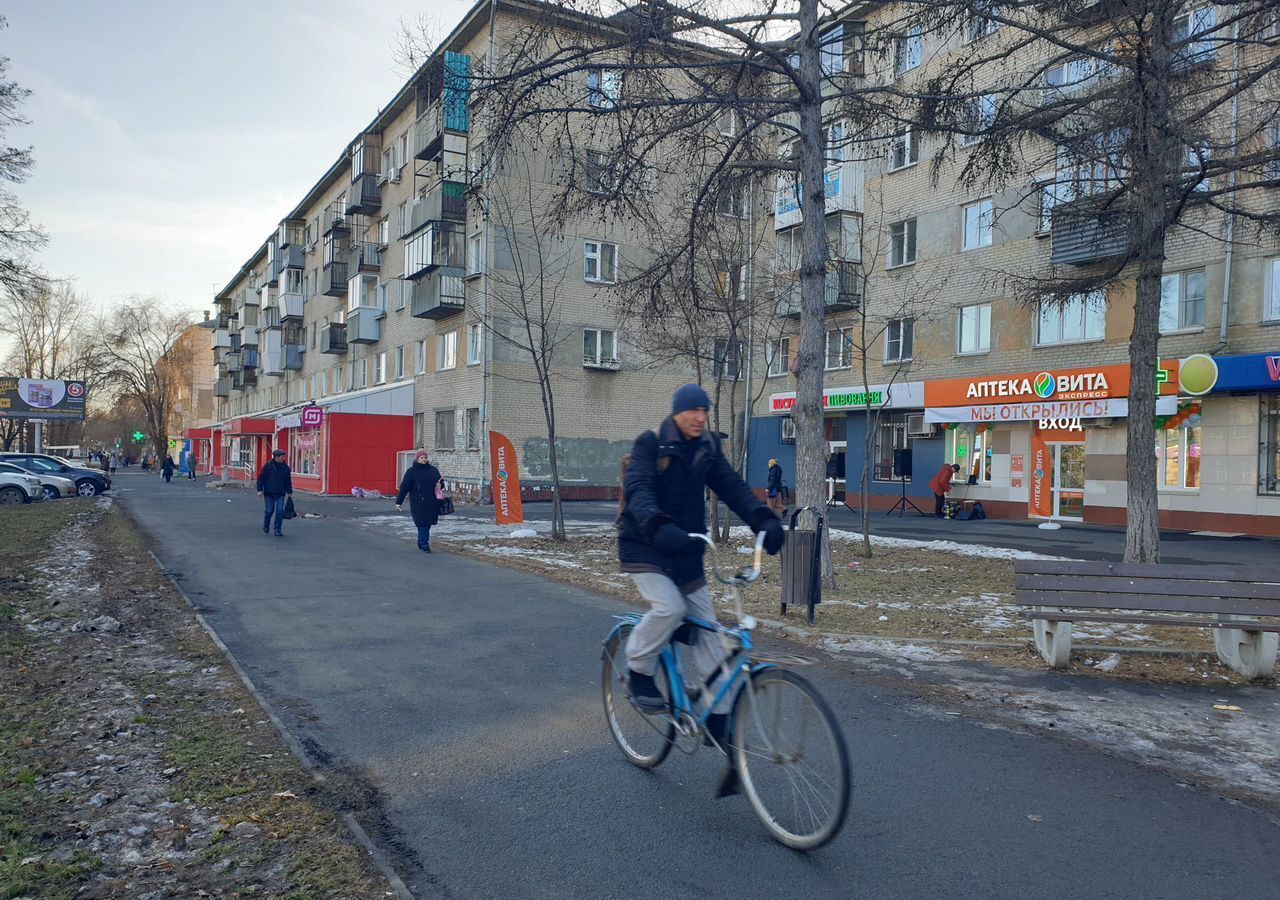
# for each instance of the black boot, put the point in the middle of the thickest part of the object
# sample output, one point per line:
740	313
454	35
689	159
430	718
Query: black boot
715	734
644	693
729	784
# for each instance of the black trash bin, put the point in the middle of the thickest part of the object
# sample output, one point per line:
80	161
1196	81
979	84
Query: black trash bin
802	564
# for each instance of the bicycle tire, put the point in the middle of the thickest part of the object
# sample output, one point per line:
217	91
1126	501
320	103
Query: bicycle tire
754	763
644	740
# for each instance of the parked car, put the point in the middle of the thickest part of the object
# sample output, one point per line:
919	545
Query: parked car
55	486
18	487
88	481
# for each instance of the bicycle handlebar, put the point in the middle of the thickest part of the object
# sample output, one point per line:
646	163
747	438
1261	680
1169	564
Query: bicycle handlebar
742	576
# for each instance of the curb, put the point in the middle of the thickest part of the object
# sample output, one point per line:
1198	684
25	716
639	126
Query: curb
295	747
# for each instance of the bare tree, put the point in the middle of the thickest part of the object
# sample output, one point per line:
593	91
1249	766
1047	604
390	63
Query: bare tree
148	362
19	237
1129	126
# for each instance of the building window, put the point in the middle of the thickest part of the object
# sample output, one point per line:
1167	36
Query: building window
1269	445
447	351
979	26
420	358
788	430
305	452
898	338
1178	455
906	51
362	368
1081	318
445	429
362	291
1271	288
402	292
978	117
839	349
1182	301
599	173
599	347
891	435
1051	192
977	225
600	262
902	243
402	219
975	329
777	356
380	368
903	151
475	343
728	359
969	445
604	87
727	123
399	363
732	199
419	429
473	428
475	252
1195	30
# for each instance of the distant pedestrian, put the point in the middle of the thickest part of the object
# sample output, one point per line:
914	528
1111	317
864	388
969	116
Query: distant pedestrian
166	468
191	466
774	491
423	485
275	482
941	486
114	462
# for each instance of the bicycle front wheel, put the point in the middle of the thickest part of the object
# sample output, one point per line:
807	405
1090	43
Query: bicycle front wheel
792	758
645	740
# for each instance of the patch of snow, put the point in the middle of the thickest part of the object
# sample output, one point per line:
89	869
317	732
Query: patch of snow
885	647
979	550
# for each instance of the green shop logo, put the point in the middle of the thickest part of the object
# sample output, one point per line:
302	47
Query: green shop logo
851	399
1043	385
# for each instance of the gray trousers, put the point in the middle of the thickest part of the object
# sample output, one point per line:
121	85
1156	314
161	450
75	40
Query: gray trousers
669	607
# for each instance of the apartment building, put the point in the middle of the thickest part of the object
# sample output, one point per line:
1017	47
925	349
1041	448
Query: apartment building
371	321
1030	401
192	412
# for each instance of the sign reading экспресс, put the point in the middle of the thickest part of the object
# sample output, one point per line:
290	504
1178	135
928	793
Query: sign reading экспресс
41	398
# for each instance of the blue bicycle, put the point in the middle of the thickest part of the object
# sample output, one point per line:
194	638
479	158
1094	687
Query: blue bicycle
783	739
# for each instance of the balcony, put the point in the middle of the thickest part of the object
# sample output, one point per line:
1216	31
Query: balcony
1084	233
270	318
224	319
249	337
293	355
447	200
273	269
292	257
249	318
364	325
235	343
335	219
222	338
333	280
842	291
246	297
290	234
233	361
222	387
249	377
439	244
363	256
365	196
273	361
250	359
607	363
438	295
333	338
291	306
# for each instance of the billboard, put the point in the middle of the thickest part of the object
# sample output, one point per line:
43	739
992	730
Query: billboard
42	398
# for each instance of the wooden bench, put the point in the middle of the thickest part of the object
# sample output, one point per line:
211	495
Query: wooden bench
1241	604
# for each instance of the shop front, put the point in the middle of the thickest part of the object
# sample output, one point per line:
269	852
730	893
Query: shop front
197	450
246	448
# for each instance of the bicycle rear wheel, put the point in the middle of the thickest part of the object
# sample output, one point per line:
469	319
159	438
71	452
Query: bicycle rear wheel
645	740
791	758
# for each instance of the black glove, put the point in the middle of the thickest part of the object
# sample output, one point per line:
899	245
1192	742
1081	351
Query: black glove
774	536
671	538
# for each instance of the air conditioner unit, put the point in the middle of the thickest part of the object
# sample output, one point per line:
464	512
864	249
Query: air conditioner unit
917	427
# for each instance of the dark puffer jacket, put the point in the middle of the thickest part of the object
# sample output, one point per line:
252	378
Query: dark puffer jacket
666	482
275	479
419	483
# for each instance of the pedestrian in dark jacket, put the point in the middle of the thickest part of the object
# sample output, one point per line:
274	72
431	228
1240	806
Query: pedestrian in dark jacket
191	466
665	492
774	490
166	468
275	482
419	484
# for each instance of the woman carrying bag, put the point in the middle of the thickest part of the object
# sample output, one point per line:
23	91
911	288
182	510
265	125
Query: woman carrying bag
425	488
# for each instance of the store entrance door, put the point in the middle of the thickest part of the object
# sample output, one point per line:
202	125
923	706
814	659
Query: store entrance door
836	451
1068	482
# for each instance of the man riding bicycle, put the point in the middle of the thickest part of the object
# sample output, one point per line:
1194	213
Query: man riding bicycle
664	494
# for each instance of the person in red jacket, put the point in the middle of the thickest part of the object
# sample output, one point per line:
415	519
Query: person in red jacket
941	486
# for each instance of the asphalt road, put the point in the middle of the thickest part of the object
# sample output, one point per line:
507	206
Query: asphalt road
466	696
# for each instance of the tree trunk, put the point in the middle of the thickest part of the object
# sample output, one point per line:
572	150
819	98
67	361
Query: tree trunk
810	458
1142	532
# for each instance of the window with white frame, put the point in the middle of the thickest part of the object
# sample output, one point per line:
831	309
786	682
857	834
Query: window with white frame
732	199
1195	30
979	26
384	231
777	356
838	149
389	162
977	225
382	296
1080	318
831	51
969	446
402	149
599	262
1197	160
475	343
599	346
906	51
402	292
903	151
399	362
475	252
899	335
979	116
729	283
447	351
1271	290
1074	75
1051	192
839	349
728	359
473	428
604	87
362	291
974	333
420	358
787	246
1178	455
380	368
727	122
1182	301
361	372
402	219
902	243
600	175
445	420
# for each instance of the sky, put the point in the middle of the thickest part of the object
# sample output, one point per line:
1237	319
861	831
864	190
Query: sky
171	137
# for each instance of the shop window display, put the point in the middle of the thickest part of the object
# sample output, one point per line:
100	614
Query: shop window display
305	452
969	444
1178	446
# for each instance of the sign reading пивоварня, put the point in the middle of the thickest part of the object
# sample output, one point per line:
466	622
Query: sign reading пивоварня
41	398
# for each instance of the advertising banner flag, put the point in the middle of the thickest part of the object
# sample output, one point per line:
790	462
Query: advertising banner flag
505	469
42	398
1041	501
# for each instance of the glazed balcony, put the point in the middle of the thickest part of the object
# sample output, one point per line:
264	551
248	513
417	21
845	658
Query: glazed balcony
439	294
291	306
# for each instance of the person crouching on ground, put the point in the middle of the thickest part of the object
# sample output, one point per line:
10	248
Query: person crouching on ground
941	486
420	483
275	482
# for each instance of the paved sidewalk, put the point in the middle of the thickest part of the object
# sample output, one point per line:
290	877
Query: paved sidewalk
466	696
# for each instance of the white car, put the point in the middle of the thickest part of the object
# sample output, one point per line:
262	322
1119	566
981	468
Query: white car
22	488
54	486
